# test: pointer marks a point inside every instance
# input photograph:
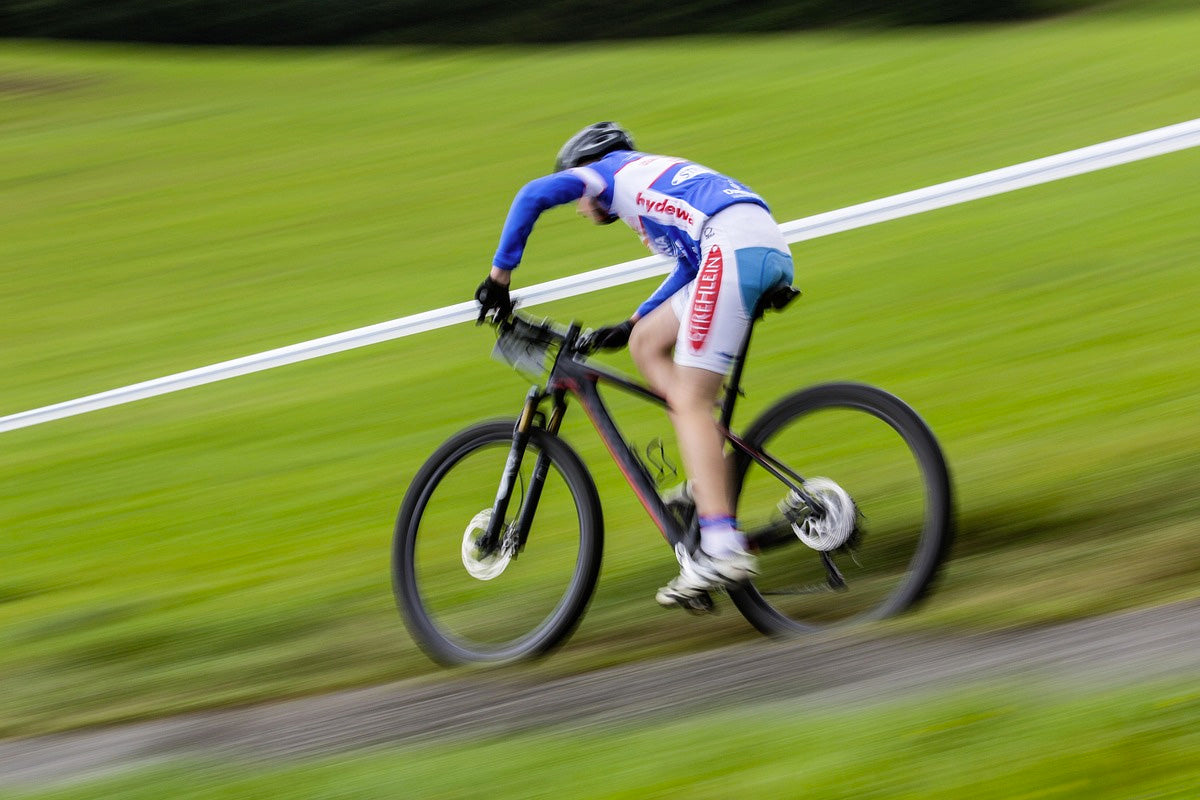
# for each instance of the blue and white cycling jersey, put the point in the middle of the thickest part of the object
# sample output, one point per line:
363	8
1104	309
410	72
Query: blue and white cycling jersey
666	200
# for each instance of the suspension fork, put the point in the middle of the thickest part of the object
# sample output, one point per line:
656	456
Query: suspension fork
541	467
522	433
512	469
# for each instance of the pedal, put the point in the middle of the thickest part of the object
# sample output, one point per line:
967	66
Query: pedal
697	605
700	605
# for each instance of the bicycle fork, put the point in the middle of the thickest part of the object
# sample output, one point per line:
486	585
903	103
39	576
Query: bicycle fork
522	432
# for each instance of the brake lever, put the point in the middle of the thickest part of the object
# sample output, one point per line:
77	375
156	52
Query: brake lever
494	319
583	342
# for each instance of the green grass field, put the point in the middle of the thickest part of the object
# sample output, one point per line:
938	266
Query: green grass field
167	209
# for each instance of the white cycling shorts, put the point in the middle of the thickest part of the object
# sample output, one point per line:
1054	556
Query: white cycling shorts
742	254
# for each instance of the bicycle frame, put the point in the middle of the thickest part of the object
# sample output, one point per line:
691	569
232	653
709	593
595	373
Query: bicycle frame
497	609
571	373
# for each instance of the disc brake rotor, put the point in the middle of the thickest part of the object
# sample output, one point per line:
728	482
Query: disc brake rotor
832	529
480	565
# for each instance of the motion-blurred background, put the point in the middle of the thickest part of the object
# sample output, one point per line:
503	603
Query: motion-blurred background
167	202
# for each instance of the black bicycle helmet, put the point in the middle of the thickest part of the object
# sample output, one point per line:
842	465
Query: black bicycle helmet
592	143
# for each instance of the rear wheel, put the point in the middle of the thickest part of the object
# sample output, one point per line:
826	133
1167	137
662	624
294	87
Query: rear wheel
878	527
463	605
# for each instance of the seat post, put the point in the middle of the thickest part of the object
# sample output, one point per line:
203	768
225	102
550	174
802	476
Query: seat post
777	297
733	386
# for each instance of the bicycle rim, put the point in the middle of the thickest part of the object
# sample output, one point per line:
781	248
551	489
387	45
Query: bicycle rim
462	607
849	442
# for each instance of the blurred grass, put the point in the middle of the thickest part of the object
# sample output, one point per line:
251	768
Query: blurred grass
999	742
170	208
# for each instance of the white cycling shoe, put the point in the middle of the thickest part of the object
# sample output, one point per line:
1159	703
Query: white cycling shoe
700	574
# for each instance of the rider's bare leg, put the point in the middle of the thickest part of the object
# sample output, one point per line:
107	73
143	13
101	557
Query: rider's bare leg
691	395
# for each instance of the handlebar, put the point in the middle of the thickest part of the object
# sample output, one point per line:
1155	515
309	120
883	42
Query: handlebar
527	344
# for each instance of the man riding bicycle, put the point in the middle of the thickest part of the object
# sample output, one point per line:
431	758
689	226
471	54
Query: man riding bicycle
684	337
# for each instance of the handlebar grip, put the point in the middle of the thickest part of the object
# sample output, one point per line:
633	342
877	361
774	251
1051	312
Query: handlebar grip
585	343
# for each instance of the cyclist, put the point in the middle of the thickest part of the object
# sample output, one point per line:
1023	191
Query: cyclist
684	337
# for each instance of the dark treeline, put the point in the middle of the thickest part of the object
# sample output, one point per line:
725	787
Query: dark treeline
289	22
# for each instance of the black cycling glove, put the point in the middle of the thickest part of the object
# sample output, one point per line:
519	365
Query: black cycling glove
493	296
612	337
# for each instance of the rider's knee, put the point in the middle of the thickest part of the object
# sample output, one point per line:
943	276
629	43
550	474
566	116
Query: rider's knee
644	346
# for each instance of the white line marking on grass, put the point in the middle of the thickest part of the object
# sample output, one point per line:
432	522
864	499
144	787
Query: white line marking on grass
1043	170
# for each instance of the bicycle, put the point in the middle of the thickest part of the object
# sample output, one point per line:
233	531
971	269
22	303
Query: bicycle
476	580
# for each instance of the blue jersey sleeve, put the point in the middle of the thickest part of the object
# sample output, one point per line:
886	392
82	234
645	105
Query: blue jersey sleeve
534	198
680	276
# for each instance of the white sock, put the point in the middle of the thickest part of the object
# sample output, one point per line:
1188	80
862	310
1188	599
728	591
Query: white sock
720	541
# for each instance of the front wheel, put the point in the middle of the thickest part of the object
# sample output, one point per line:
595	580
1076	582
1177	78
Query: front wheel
866	536
519	599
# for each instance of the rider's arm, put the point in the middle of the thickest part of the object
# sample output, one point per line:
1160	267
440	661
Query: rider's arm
534	198
679	277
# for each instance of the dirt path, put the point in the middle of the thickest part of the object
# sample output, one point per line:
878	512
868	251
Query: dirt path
847	669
